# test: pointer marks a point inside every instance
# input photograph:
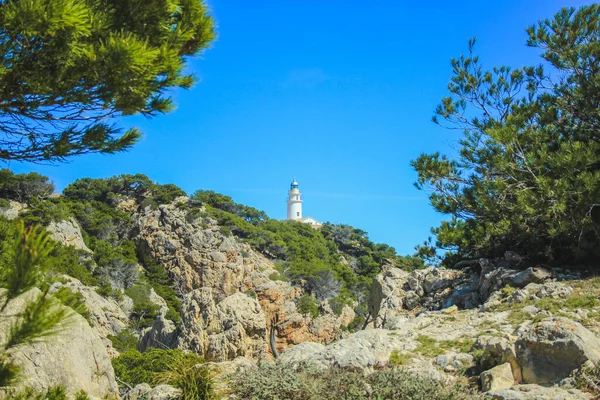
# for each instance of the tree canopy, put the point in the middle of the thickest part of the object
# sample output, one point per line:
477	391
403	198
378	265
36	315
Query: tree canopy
69	67
527	173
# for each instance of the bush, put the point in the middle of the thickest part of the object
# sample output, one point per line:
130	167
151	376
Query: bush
124	341
54	393
144	312
307	305
277	381
76	263
174	367
271	381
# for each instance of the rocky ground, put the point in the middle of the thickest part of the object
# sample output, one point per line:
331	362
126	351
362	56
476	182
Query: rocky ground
511	332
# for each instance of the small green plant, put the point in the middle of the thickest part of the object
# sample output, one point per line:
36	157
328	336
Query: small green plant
428	346
276	276
397	359
308	305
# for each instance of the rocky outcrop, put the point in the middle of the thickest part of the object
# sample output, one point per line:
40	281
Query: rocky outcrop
552	349
162	334
75	357
231	328
106	316
209	267
363	350
397	292
67	233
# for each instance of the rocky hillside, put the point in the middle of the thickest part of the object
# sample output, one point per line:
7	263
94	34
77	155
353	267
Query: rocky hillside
157	275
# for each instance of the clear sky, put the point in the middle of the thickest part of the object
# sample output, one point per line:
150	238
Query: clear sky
338	94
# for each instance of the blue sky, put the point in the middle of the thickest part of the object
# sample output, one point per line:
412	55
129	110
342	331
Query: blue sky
338	94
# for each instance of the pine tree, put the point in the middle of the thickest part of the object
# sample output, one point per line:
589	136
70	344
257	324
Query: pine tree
527	177
69	67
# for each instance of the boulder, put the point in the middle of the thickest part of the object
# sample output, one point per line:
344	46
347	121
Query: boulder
74	357
498	351
363	350
530	275
552	349
498	378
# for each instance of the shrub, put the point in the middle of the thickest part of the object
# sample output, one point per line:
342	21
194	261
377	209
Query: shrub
307	305
53	393
271	381
75	263
174	367
124	341
401	384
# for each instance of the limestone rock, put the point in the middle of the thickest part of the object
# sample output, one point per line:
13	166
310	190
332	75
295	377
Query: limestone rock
74	358
68	233
162	334
536	392
530	275
13	210
234	327
143	391
498	378
106	315
551	349
362	350
498	351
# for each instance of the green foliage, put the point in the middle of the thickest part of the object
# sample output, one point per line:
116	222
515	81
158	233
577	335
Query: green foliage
159	279
225	203
397	359
24	187
174	367
527	174
428	346
70	261
124	341
144	312
271	381
53	393
70	67
307	305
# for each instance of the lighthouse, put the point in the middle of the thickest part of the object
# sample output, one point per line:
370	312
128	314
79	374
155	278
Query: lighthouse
294	203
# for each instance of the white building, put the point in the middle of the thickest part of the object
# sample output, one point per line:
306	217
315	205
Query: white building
294	206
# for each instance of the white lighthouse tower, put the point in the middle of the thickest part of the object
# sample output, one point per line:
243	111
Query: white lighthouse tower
294	203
